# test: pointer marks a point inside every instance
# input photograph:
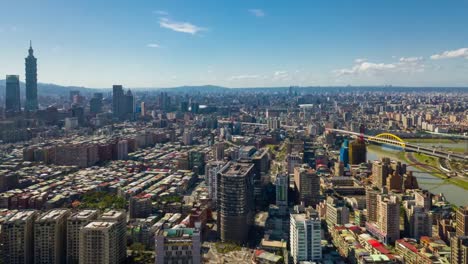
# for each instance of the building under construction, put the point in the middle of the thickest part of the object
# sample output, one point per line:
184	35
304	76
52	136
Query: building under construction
235	201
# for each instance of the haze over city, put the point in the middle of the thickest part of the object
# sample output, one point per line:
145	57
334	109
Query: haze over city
239	43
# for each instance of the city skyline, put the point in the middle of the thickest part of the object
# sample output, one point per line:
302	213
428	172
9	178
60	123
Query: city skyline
239	44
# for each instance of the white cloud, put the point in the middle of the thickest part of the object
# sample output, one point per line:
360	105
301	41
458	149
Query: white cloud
282	76
244	77
257	12
153	45
161	12
280	73
183	27
450	54
365	67
359	60
403	65
411	59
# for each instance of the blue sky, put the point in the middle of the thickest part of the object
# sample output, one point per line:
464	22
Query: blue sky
238	43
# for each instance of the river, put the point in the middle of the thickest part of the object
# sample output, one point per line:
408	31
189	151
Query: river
454	194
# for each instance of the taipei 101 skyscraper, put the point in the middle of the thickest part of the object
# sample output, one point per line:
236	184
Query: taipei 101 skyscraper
31	81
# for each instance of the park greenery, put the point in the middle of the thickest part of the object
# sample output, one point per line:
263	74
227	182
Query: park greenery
102	200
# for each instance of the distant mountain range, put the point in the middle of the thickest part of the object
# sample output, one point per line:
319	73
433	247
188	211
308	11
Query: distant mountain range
47	89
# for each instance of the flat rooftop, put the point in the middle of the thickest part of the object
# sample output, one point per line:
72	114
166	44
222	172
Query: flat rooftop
99	225
21	216
53	215
113	214
237	169
84	215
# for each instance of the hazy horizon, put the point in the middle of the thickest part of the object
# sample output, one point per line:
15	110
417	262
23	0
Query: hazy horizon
239	44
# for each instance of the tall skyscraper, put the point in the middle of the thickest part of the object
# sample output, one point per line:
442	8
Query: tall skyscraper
129	105
123	104
305	236
50	237
307	184
31	81
117	100
17	233
95	104
99	243
235	201
12	94
75	223
142	109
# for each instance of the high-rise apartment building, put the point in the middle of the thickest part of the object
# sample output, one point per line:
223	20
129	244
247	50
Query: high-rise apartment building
462	221
380	171
357	152
388	219
196	161
12	94
307	185
294	160
31	81
282	189
120	219
218	150
18	238
187	138
417	220
371	204
140	206
423	199
235	201
75	223
50	236
178	245
459	247
305	236
274	123
337	212
99	243
395	182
